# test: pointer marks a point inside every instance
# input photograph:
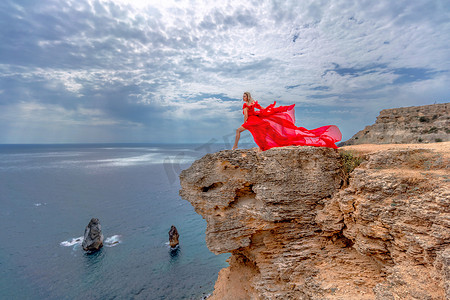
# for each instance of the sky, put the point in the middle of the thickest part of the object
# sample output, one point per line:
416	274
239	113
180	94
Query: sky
116	71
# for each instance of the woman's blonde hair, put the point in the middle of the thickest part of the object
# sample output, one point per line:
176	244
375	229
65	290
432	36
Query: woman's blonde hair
249	97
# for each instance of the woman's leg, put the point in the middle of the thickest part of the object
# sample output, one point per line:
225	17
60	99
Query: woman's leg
238	136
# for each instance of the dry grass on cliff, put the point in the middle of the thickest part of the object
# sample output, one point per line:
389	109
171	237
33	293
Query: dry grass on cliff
350	161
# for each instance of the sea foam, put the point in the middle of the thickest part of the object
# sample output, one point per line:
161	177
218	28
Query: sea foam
108	242
112	241
73	242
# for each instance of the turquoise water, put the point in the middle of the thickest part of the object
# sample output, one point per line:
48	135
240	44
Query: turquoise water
49	193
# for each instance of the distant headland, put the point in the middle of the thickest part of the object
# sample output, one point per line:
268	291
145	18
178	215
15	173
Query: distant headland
406	125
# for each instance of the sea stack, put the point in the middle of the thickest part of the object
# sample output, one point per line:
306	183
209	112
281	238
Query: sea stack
173	237
93	237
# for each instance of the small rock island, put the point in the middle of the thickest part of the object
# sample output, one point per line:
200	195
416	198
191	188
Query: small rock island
173	237
93	237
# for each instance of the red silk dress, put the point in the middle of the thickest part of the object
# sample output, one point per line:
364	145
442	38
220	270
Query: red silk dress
274	127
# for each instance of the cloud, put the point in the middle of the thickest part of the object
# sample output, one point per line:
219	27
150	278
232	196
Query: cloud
173	66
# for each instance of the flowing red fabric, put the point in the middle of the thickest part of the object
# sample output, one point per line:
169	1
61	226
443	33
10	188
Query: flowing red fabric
274	127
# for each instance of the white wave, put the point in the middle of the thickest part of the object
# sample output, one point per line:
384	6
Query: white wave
108	242
73	242
112	241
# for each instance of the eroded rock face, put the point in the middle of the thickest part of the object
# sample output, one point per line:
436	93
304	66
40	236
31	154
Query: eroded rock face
93	237
417	124
242	192
295	232
396	210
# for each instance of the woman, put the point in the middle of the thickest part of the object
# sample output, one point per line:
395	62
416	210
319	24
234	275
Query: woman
274	127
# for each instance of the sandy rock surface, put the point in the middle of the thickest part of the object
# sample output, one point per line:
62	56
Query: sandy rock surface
299	228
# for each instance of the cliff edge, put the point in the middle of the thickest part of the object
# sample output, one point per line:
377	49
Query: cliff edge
300	226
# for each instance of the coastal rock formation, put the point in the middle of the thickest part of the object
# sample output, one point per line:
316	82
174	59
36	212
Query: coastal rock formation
417	124
173	237
93	237
298	227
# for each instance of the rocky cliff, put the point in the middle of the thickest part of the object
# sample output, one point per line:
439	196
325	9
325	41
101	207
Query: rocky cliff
417	124
300	226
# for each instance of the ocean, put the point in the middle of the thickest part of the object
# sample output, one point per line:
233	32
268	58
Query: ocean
49	193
